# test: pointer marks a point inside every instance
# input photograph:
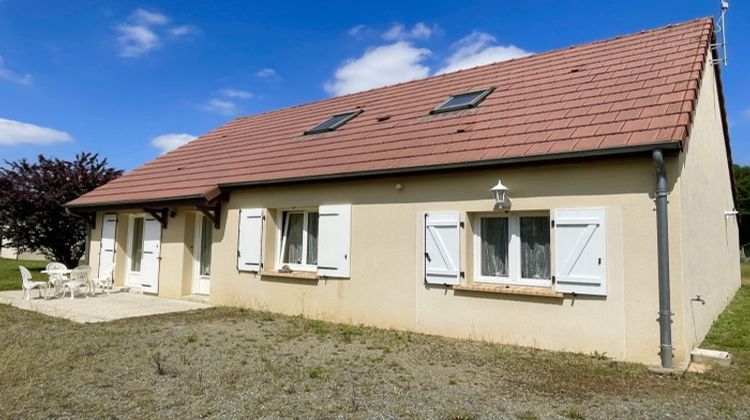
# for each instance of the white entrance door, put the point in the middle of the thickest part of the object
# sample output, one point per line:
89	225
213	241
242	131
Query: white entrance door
107	252
145	249
204	231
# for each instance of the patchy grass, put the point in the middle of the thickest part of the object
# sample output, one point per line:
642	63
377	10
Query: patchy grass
225	362
10	277
731	332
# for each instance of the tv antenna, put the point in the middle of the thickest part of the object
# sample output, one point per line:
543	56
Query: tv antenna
720	28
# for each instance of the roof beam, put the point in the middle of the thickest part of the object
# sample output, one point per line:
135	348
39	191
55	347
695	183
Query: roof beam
90	219
162	215
213	213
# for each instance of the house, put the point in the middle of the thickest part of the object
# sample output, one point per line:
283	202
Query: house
12	253
615	233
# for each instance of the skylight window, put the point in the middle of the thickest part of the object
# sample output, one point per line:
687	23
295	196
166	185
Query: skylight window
462	101
334	122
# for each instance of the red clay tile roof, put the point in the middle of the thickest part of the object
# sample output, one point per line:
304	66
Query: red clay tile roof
630	91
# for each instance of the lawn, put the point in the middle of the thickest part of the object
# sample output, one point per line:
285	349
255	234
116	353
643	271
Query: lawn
225	362
10	277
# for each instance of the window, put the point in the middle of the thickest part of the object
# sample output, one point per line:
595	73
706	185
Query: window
513	250
206	239
462	101
136	251
494	258
535	255
333	123
299	240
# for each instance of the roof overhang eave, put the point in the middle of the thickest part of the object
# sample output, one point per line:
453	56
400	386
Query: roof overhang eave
669	145
187	200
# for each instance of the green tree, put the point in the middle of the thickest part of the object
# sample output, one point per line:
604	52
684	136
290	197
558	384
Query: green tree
32	212
742	186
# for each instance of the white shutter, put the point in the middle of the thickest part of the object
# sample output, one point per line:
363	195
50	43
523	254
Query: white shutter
334	238
580	251
250	240
441	246
107	244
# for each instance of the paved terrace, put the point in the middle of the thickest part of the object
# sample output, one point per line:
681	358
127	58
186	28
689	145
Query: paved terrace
99	308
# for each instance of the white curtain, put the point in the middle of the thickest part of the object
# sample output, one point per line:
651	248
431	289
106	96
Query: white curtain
137	251
206	239
312	238
535	253
494	247
293	231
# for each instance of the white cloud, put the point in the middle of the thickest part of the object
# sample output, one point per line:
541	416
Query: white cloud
135	40
221	106
144	17
399	32
167	142
236	93
16	132
479	48
381	66
143	30
10	75
357	30
266	73
183	30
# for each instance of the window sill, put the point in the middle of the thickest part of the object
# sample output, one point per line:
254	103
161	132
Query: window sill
297	275
509	290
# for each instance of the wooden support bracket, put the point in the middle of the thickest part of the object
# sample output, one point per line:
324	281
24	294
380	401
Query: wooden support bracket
213	213
90	219
162	215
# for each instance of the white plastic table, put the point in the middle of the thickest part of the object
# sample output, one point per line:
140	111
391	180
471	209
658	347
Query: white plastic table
66	271
63	273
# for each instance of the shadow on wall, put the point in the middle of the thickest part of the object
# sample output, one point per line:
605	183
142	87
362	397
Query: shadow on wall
612	175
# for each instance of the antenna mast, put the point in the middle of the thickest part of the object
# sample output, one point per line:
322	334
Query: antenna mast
720	28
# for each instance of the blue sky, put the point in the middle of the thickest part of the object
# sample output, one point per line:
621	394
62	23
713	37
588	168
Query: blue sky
130	79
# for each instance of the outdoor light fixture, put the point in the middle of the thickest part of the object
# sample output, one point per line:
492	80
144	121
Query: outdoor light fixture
731	213
500	194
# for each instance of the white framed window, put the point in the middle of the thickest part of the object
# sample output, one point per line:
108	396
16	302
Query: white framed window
512	249
136	244
299	240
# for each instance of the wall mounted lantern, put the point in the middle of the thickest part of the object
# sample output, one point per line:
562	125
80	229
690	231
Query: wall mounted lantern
500	194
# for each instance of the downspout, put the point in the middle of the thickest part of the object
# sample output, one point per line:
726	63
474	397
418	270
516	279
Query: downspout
662	242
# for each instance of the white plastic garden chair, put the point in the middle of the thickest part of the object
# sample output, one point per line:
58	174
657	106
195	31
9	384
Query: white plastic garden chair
79	279
28	283
105	282
57	280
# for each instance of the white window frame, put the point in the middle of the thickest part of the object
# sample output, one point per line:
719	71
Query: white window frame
514	251
282	234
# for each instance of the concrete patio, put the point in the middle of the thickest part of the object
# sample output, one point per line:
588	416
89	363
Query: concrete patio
99	308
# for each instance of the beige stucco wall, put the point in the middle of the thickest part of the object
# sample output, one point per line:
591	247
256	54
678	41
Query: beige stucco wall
710	240
386	285
95	245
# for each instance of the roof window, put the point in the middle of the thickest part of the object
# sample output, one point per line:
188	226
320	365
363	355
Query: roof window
334	122
462	101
